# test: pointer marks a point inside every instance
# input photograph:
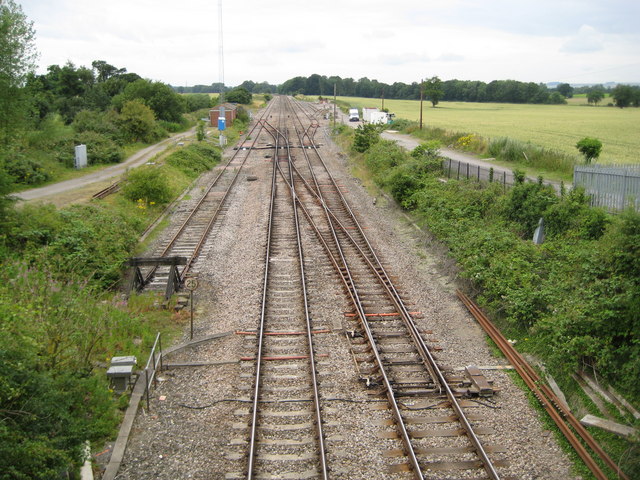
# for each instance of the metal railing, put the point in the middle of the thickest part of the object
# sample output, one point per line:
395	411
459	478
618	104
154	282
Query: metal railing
458	170
155	359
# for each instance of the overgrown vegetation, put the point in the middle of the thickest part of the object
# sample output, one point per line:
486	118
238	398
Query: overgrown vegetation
61	322
572	300
61	316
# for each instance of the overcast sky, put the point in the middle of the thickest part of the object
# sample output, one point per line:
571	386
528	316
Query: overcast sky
579	41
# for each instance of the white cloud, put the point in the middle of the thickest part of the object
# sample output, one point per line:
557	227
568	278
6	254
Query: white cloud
587	40
400	41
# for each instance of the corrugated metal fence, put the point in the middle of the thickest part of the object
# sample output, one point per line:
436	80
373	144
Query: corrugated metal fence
613	187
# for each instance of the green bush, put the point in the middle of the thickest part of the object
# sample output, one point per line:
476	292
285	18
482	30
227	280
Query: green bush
32	226
590	148
364	137
149	185
383	155
573	217
239	95
100	148
526	203
93	242
197	101
105	123
24	170
195	159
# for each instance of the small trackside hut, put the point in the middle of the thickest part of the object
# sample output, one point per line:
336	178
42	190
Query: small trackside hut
230	114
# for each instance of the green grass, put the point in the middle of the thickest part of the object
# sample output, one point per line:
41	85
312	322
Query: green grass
556	127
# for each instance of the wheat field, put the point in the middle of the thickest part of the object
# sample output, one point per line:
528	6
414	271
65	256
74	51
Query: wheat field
552	126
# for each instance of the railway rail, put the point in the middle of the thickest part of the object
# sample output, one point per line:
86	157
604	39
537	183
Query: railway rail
190	236
393	341
283	433
284	339
390	350
563	418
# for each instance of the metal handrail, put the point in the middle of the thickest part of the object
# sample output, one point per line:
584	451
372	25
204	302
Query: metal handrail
152	365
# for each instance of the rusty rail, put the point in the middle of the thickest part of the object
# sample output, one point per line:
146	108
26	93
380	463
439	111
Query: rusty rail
563	418
113	188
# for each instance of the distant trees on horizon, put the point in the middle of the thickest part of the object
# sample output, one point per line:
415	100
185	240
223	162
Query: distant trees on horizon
498	91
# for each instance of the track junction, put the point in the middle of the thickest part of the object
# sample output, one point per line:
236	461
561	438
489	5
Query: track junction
407	416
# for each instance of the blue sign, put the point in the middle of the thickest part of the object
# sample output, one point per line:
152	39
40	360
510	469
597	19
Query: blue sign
221	123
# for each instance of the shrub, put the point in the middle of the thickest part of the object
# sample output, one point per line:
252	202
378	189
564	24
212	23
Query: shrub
239	95
137	122
24	170
403	183
526	203
148	184
195	159
383	155
100	122
197	101
100	148
573	217
93	242
471	143
364	137
242	115
590	148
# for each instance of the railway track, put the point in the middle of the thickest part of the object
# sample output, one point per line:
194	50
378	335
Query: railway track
189	237
391	354
427	428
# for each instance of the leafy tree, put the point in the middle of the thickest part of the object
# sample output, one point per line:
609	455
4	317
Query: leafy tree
595	95
590	148
160	97
556	98
106	71
239	95
17	60
137	121
623	95
197	101
565	90
433	90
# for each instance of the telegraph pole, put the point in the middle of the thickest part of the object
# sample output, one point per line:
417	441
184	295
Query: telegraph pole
334	105
421	97
222	117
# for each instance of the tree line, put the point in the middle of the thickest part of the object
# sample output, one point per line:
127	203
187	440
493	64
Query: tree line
498	91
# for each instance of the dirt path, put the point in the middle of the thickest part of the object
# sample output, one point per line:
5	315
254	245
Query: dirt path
135	160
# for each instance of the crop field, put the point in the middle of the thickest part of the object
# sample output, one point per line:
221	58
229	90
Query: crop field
558	127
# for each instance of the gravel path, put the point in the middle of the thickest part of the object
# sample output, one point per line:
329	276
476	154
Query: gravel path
113	171
197	422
